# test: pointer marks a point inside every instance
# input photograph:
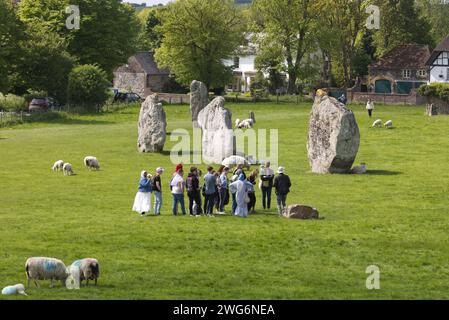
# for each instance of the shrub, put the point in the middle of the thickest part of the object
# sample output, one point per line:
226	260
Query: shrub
11	102
435	90
88	85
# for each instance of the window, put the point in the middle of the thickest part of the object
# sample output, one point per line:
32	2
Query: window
236	62
422	73
407	73
443	59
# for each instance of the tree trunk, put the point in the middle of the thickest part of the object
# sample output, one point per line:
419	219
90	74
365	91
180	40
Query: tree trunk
292	83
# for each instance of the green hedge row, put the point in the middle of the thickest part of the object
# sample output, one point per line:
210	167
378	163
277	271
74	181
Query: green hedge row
435	90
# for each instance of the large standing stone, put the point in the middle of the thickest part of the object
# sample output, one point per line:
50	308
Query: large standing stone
218	137
297	211
199	99
334	136
152	126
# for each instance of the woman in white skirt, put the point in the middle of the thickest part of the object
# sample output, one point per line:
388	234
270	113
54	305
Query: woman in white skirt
142	202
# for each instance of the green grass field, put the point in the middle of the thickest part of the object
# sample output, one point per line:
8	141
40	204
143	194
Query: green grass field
395	217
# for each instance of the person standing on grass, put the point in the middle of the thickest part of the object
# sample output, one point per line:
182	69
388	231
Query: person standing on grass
177	187
209	191
266	180
370	107
142	201
157	189
252	193
240	189
193	192
282	186
223	189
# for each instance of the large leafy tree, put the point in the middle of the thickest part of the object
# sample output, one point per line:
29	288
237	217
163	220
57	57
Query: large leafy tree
11	33
198	36
401	23
108	28
284	34
149	39
436	12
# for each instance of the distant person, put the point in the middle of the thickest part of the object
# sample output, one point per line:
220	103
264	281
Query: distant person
252	179
343	99
142	201
266	184
157	190
194	192
370	107
282	186
236	174
177	189
209	191
223	187
240	189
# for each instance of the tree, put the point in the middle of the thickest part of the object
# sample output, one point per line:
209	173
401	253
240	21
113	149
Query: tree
149	38
286	29
108	28
400	24
87	87
11	33
436	12
198	36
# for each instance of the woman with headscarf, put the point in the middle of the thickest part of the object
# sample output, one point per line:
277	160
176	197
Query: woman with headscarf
240	189
142	201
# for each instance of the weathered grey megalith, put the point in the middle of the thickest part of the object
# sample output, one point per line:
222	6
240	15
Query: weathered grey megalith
152	126
334	136
297	211
199	99
218	137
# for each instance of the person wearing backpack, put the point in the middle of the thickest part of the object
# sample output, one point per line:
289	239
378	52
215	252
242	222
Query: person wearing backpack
193	191
209	191
142	201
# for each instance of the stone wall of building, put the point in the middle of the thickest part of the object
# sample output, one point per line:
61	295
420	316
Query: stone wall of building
156	82
125	81
405	99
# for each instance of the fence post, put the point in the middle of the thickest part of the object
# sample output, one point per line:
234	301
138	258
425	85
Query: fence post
181	99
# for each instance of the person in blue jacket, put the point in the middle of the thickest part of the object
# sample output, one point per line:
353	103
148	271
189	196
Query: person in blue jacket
142	202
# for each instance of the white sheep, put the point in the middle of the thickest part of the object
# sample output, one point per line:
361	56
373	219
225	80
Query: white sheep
233	161
361	169
389	124
88	269
67	169
377	123
16	289
247	124
91	163
42	268
58	165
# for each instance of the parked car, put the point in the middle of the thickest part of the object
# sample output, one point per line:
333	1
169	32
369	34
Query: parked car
43	104
127	97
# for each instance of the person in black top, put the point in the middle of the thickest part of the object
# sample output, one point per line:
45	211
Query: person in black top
194	192
157	191
282	186
252	194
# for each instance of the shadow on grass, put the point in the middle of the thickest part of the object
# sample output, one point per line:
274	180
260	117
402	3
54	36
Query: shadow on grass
383	173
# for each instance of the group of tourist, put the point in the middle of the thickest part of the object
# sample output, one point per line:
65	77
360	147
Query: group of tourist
218	188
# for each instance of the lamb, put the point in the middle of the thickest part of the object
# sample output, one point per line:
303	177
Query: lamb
67	169
89	269
91	163
361	169
42	268
389	124
58	165
377	123
233	161
16	289
247	124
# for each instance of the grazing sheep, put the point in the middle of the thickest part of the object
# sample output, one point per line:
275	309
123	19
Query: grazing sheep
389	124
361	169
247	124
67	169
233	161
89	269
91	163
42	268
16	289
377	123
58	165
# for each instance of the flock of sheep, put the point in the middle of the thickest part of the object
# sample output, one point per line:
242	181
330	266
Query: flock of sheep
90	163
378	124
42	268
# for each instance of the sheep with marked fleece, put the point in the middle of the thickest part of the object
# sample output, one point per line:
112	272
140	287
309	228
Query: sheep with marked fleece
88	269
42	268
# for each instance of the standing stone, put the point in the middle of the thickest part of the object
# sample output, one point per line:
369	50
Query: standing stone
334	136
218	137
297	211
152	126
199	99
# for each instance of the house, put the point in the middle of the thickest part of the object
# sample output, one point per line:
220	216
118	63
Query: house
141	75
400	70
438	62
244	69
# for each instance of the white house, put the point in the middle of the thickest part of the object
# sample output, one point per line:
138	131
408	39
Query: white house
439	62
244	70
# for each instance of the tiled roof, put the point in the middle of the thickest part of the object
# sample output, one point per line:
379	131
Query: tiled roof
443	46
413	56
